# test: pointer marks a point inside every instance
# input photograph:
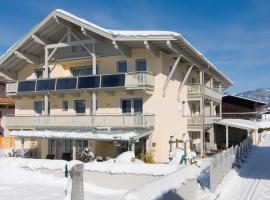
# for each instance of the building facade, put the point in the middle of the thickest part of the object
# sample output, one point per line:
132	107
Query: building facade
79	85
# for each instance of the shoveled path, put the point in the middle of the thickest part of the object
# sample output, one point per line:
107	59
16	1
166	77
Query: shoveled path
252	180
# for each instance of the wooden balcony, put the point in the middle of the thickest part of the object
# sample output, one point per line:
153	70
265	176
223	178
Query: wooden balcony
80	121
121	81
196	122
196	91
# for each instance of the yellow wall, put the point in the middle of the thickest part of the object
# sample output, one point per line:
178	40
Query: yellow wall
169	116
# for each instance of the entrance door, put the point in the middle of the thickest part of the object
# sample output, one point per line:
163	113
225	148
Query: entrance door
64	149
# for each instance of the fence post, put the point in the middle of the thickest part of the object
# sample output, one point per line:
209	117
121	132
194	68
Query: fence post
75	190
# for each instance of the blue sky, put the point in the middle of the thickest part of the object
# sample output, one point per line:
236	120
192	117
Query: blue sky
234	35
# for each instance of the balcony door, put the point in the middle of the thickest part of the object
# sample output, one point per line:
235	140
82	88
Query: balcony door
132	106
39	107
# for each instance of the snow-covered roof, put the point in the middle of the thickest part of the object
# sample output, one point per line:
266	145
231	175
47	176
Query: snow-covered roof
157	38
239	123
113	134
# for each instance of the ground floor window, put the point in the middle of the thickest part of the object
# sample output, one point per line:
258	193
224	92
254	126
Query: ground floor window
62	149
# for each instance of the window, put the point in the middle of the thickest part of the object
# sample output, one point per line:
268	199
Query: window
65	105
134	106
38	73
122	66
83	70
193	108
126	105
73	49
79	106
38	107
138	106
141	65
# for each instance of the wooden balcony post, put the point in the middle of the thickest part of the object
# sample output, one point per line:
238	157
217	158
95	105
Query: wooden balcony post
46	75
227	137
94	72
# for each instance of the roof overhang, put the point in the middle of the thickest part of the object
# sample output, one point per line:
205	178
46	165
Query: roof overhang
238	123
52	27
108	135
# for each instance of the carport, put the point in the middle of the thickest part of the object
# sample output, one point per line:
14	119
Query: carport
228	132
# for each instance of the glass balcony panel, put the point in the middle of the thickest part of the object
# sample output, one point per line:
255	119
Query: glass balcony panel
116	80
45	85
88	82
26	86
66	84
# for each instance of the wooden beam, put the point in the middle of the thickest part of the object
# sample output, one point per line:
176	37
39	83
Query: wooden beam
27	57
153	49
91	35
178	51
40	40
122	48
69	44
183	82
170	75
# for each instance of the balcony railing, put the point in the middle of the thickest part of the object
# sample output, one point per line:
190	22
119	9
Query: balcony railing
198	120
94	82
57	121
196	90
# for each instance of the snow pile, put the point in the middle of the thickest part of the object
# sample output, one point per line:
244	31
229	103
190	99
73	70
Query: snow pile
34	164
177	156
265	136
264	124
5	152
131	168
158	188
105	167
126	157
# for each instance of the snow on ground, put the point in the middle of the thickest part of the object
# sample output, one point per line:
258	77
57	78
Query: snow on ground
252	180
44	179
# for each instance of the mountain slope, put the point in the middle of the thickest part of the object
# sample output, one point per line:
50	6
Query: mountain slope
261	94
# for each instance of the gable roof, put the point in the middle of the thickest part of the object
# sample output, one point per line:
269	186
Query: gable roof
50	29
244	98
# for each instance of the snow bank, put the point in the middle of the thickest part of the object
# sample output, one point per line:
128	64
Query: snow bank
34	164
157	189
5	152
131	168
105	167
264	124
177	156
126	157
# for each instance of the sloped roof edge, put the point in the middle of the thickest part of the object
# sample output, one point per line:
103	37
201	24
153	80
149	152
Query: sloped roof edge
116	35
